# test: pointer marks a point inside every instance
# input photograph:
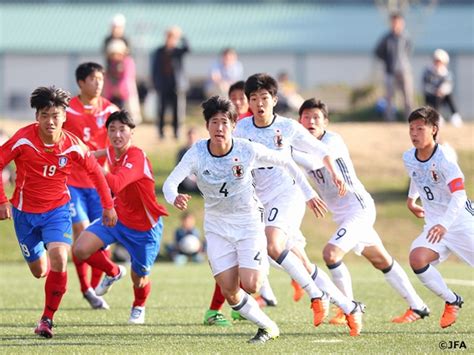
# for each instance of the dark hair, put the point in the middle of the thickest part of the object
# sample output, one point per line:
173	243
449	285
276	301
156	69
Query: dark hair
123	116
239	85
396	15
217	104
313	103
228	50
86	69
47	97
261	81
429	116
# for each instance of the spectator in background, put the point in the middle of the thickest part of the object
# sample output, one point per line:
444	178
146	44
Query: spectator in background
394	50
438	85
169	78
288	97
187	242
120	85
189	183
240	101
224	72
117	31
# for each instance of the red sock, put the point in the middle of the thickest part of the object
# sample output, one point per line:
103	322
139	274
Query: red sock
100	261
141	294
97	273
54	289
218	299
81	269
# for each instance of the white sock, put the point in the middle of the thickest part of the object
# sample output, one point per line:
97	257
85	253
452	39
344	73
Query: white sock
431	278
249	309
295	268
322	280
266	290
342	278
398	279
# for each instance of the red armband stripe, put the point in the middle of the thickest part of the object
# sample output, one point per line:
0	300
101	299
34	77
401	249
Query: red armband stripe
456	185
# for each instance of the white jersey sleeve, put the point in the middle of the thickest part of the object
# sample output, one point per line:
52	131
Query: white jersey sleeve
185	167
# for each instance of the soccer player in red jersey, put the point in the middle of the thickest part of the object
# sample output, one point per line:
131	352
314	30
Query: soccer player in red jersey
85	117
43	153
140	224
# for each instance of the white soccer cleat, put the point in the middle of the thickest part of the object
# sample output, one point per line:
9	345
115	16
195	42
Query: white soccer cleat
137	315
456	120
108	281
96	302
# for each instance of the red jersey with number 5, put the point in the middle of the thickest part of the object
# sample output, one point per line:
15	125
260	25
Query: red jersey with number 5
42	170
133	185
88	123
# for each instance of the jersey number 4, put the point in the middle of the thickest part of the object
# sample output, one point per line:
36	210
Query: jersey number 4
223	190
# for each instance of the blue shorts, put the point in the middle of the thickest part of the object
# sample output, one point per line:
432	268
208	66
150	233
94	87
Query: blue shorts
85	204
35	230
143	247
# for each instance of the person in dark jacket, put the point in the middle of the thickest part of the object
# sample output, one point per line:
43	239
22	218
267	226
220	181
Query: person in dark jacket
394	50
169	79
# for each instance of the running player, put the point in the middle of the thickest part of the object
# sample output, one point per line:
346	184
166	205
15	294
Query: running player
139	225
85	117
355	216
233	221
275	188
238	98
43	153
439	183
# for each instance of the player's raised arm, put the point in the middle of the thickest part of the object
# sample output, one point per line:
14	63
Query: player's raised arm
180	172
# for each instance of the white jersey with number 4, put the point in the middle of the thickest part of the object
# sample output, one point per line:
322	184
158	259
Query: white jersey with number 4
435	179
226	182
280	135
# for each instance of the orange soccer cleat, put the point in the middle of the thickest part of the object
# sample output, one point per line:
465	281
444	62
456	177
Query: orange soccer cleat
412	315
298	291
339	318
450	313
320	307
354	319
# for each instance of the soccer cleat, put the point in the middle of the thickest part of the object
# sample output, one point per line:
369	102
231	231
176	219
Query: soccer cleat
44	328
96	302
213	317
264	335
412	315
108	281
339	318
320	307
137	315
354	319
236	315
298	291
451	311
263	302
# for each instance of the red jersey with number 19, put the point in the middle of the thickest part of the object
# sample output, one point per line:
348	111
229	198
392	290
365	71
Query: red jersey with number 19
43	170
131	180
88	123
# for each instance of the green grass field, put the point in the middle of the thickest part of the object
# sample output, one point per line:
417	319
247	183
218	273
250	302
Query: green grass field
179	298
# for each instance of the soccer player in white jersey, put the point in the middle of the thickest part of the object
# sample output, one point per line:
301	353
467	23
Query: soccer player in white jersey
233	220
439	183
354	214
275	188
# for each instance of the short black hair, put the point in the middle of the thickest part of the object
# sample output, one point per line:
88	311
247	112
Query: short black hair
429	116
239	85
313	103
217	104
86	69
395	15
123	116
47	97
260	81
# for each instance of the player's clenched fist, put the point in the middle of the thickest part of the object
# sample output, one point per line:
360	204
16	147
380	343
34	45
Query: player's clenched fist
318	206
109	217
5	211
181	201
